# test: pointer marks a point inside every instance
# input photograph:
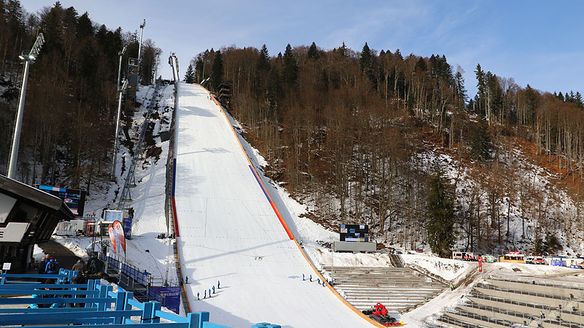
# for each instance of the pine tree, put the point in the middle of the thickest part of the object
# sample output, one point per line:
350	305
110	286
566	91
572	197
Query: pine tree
481	96
440	225
313	52
480	141
217	71
460	88
366	59
263	63
190	74
199	69
290	67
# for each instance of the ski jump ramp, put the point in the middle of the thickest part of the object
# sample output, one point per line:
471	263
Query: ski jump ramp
231	233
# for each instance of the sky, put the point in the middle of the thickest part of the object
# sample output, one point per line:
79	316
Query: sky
534	42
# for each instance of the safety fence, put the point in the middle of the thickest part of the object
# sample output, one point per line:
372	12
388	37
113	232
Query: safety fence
61	304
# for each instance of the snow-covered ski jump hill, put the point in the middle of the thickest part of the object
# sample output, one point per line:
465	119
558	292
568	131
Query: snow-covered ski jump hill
231	233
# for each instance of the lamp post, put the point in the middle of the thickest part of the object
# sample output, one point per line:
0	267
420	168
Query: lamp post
34	52
140	50
173	61
115	155
121	89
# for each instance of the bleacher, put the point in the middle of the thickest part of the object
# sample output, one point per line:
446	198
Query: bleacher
24	301
505	301
399	289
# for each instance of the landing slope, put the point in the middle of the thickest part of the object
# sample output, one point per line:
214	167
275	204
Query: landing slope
230	233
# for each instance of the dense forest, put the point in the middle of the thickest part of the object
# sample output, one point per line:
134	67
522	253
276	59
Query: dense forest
342	130
348	132
71	99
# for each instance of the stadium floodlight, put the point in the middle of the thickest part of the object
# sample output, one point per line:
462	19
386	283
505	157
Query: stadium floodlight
27	59
140	49
115	155
121	54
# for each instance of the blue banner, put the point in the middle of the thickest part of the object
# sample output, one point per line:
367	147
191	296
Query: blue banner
169	297
127	225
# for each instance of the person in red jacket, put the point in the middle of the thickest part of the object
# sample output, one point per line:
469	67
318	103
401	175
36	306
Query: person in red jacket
380	310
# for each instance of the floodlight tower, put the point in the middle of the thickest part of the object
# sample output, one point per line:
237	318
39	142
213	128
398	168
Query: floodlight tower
121	89
173	61
27	59
140	49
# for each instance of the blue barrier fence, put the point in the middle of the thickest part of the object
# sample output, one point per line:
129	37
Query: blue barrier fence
82	304
141	277
113	263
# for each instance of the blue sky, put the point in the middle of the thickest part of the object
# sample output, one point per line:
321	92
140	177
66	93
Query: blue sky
535	42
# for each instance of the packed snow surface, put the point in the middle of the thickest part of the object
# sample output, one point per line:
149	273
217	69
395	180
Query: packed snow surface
230	233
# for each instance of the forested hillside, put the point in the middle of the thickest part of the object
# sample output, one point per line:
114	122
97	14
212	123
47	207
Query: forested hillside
387	139
71	97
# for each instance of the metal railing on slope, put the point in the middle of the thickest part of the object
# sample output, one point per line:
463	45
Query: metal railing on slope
130	181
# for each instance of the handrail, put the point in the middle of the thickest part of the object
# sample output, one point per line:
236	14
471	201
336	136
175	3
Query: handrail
521	292
100	306
537	283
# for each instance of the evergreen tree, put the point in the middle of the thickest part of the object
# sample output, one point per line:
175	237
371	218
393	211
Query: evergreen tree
440	225
343	51
538	247
217	71
199	69
480	141
263	63
481	96
190	74
460	88
578	99
313	52
366	59
290	67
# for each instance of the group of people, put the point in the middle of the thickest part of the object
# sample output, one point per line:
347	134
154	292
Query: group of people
320	282
211	290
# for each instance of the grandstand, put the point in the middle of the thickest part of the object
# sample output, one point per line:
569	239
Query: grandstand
399	289
505	301
26	302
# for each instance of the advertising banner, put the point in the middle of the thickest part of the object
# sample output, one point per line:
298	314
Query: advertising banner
119	233
169	297
113	239
128	228
73	198
116	233
112	215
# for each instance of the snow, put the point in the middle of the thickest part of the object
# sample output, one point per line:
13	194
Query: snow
448	269
144	250
531	179
230	233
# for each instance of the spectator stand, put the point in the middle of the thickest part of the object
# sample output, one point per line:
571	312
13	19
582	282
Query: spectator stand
58	305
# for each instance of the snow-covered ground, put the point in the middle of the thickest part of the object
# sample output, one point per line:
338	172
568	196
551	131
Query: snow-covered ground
144	250
451	270
525	183
230	233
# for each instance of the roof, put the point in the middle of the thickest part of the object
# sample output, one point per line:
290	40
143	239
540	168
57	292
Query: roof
32	194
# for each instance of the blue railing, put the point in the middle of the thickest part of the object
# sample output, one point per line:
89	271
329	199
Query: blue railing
82	304
61	304
141	277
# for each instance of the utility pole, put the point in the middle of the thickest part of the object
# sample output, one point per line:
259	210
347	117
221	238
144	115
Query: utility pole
34	52
120	89
140	49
